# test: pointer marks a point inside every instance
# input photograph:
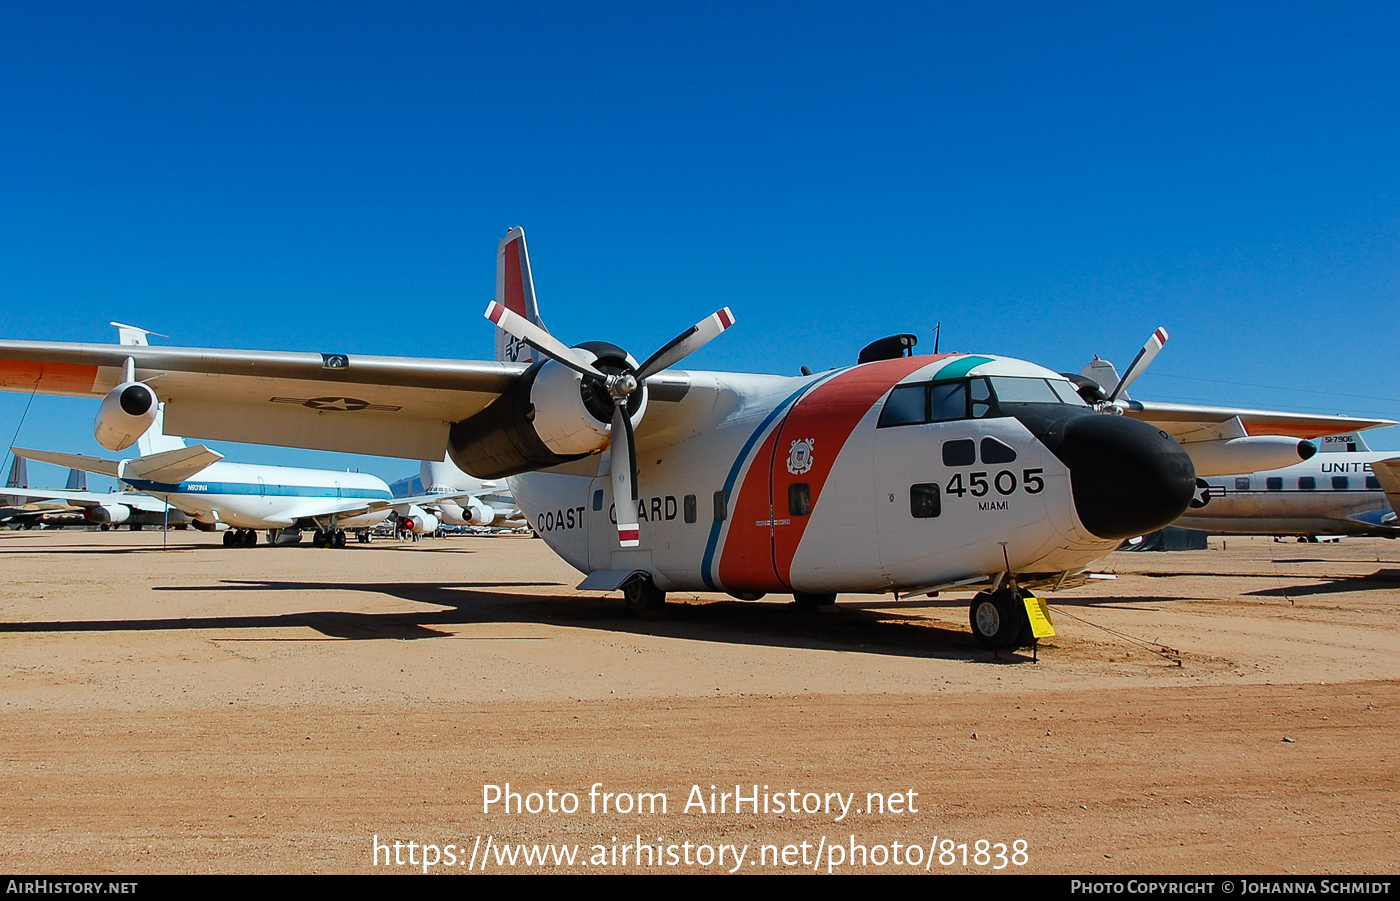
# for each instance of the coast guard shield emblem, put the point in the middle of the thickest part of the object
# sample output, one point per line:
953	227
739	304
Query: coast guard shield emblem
800	457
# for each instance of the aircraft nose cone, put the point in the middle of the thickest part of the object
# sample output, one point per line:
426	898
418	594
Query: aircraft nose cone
1128	477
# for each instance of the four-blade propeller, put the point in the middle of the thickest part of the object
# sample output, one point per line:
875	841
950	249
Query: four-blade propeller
620	387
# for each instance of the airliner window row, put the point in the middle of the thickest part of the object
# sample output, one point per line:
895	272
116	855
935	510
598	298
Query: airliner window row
975	398
1309	483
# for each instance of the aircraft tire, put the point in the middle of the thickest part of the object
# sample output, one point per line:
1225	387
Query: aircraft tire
338	538
318	539
810	603
250	538
997	618
228	539
641	595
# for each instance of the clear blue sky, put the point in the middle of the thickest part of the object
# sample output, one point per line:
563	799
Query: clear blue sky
1047	181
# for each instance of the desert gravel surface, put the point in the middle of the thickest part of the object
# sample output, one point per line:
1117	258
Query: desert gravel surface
191	709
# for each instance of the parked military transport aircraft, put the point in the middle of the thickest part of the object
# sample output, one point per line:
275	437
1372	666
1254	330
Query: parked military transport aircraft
1348	489
901	474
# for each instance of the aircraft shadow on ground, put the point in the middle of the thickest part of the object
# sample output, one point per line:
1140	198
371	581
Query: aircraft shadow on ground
765	624
1380	579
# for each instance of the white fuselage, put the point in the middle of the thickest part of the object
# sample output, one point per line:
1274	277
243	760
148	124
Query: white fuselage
754	484
252	496
1333	494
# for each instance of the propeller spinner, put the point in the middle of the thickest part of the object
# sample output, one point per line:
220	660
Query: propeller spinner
620	386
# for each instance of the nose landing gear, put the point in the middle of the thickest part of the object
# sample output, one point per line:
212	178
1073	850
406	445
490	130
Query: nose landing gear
999	618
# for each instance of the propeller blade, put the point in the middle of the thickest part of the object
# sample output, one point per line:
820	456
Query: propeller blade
623	468
540	339
1140	362
686	343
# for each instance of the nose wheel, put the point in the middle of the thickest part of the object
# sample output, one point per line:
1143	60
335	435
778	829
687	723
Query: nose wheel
999	619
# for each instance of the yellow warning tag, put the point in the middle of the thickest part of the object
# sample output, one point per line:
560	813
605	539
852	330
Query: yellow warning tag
1038	612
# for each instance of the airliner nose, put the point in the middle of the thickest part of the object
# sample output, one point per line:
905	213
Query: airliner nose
1128	477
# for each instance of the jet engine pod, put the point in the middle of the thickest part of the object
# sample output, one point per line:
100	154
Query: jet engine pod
108	514
477	513
573	415
419	521
126	413
1253	454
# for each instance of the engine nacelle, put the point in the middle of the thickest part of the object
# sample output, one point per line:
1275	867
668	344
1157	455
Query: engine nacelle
572	416
1244	455
477	513
550	415
108	514
419	521
126	413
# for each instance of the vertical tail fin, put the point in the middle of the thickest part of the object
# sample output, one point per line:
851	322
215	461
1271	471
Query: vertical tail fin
19	474
155	440
515	290
1351	442
77	480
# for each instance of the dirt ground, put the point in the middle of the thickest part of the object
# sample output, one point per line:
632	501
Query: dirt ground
201	709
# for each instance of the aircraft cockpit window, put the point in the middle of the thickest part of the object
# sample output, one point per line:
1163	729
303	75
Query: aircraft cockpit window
908	405
981	398
962	452
993	451
947	401
1067	393
1023	391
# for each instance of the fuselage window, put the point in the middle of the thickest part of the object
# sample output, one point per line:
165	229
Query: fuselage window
690	508
925	501
799	499
959	453
1373	483
598	499
1242	483
1274	483
1340	483
1307	483
908	405
993	451
721	506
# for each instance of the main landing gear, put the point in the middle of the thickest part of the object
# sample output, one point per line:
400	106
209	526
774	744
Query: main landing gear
328	538
240	538
999	618
641	595
811	603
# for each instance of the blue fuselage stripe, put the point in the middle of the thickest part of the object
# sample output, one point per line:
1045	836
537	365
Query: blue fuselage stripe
226	489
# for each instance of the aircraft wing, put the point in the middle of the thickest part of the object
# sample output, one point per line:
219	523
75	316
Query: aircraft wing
92	498
1387	472
1190	422
384	406
348	507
